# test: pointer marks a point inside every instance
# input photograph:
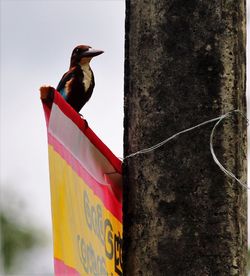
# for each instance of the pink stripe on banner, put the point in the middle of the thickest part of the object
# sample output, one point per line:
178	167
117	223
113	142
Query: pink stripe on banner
62	269
65	131
83	126
102	191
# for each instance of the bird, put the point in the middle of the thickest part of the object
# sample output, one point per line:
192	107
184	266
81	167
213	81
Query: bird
77	85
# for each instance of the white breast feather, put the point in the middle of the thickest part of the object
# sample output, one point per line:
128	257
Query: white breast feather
87	76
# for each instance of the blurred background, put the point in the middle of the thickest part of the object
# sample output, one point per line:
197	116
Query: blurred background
37	38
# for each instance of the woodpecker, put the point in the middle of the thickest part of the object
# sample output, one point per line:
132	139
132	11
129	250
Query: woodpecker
76	85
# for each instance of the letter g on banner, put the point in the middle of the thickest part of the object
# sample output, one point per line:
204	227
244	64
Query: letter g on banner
108	230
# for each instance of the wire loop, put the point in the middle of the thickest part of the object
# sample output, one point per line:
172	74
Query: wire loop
218	120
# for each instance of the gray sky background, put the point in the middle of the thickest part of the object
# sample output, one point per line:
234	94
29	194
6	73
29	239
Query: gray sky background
37	38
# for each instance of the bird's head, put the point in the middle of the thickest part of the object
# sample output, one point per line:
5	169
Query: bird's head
83	54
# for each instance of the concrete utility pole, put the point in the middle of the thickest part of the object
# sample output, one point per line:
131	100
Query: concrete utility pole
185	64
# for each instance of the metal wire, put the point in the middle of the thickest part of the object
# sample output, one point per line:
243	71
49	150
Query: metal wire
218	120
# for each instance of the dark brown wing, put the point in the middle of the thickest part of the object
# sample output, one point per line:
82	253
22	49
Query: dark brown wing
68	76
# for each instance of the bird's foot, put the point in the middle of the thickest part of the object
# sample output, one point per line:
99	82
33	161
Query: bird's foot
85	121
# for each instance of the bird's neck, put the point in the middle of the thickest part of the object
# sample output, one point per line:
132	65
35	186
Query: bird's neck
84	66
87	73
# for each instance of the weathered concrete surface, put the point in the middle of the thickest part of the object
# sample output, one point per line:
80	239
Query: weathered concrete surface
185	63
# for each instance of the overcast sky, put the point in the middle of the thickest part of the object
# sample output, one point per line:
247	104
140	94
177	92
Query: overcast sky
37	38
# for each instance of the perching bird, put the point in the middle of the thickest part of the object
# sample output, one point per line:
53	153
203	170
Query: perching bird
76	85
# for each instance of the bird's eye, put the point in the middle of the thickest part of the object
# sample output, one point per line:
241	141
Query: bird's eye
77	50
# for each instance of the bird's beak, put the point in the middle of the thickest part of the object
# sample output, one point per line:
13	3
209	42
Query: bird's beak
92	53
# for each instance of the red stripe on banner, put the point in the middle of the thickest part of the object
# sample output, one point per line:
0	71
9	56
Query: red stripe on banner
62	269
102	191
83	126
47	111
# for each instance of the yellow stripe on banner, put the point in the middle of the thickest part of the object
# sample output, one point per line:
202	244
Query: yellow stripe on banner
87	237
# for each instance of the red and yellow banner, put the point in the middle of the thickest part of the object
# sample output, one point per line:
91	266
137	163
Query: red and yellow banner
85	179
